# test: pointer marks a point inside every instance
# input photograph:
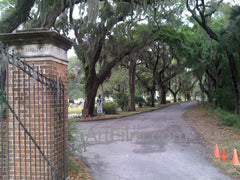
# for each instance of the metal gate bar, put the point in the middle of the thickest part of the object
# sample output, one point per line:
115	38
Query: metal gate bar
32	119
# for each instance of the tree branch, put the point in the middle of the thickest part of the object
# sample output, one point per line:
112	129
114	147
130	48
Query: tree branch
202	21
48	18
20	15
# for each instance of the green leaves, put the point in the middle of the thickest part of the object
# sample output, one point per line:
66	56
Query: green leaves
75	79
7	7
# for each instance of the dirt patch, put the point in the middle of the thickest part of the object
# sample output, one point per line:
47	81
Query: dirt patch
78	170
213	132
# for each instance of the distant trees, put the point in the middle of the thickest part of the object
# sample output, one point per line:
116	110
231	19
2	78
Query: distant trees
75	79
149	40
102	45
222	50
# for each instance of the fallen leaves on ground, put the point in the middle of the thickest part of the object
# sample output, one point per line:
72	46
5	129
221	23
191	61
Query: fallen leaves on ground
78	170
213	132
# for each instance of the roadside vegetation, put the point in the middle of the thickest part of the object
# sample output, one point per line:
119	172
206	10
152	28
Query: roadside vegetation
210	123
121	114
227	118
76	110
78	170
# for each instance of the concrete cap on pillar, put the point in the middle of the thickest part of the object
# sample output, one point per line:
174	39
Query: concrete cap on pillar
36	44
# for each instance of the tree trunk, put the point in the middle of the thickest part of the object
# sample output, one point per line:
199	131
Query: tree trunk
202	90
91	89
238	80
132	71
2	114
188	96
17	17
163	94
175	97
90	100
2	89
234	71
152	98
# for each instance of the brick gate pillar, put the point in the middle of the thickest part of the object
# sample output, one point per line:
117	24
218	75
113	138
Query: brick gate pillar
47	51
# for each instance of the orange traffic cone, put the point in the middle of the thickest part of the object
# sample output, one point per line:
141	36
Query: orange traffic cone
223	158
235	159
216	153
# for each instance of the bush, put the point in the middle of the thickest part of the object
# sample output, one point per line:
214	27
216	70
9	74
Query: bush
225	99
230	119
227	118
148	101
110	108
139	100
121	99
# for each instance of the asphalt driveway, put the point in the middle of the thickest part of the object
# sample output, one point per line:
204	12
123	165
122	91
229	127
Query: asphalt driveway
157	145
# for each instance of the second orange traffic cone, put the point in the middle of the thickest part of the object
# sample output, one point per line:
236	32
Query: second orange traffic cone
223	158
216	152
235	159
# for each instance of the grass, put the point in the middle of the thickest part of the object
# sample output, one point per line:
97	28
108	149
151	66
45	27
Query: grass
75	110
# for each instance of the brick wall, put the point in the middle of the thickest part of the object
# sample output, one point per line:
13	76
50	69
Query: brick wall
40	109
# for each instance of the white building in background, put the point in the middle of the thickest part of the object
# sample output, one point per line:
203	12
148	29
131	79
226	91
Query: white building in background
108	99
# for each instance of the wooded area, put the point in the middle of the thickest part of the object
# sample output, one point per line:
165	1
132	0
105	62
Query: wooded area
129	49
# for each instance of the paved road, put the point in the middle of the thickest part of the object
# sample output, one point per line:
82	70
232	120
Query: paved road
156	145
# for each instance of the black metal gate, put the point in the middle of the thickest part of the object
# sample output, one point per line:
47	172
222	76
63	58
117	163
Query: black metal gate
32	121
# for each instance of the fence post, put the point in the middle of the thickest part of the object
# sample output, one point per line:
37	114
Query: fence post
46	51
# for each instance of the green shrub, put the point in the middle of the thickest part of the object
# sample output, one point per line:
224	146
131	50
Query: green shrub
148	101
110	108
224	98
121	99
139	100
179	99
217	110
227	118
230	119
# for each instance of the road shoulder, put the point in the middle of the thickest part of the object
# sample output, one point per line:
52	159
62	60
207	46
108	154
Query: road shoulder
210	128
123	114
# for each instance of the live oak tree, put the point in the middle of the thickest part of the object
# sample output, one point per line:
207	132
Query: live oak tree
8	23
75	79
202	12
168	70
174	86
108	32
110	13
101	44
147	71
157	12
